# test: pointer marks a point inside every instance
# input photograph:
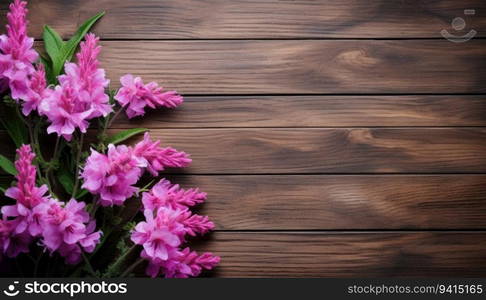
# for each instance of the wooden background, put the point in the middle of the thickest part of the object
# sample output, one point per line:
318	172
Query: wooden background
334	138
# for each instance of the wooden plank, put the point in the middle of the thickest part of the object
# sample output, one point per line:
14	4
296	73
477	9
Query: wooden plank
176	19
314	150
342	202
316	111
290	202
324	150
302	67
377	254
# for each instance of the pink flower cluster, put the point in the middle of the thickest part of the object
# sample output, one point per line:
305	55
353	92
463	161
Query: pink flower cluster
168	221
81	94
67	228
17	55
112	176
135	96
63	227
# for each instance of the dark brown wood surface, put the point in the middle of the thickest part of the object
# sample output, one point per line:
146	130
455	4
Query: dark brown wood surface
316	111
302	67
303	202
326	150
334	138
338	202
249	19
345	254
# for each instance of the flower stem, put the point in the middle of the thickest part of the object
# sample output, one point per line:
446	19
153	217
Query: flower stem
53	164
107	124
117	113
78	158
88	264
94	208
37	261
56	149
116	265
132	267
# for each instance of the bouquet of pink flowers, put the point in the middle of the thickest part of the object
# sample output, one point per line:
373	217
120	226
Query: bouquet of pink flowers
86	201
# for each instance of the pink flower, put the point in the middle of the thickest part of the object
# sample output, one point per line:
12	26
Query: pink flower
65	228
86	78
11	243
161	235
66	110
68	229
167	222
112	176
165	194
17	53
188	264
26	194
80	95
195	224
38	91
135	95
158	158
184	264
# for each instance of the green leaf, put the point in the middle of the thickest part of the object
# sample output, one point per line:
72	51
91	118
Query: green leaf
124	135
7	165
66	180
68	48
16	129
52	42
46	61
81	193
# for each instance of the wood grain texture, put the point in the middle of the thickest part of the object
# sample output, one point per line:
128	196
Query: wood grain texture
315	150
209	19
279	197
316	111
323	150
302	67
411	254
342	202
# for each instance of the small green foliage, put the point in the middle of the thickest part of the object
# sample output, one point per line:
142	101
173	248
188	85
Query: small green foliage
14	125
7	165
125	135
60	51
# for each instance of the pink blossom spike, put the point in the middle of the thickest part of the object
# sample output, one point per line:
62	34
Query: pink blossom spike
189	264
25	192
196	224
17	53
63	227
81	94
85	77
171	195
135	95
38	91
158	158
